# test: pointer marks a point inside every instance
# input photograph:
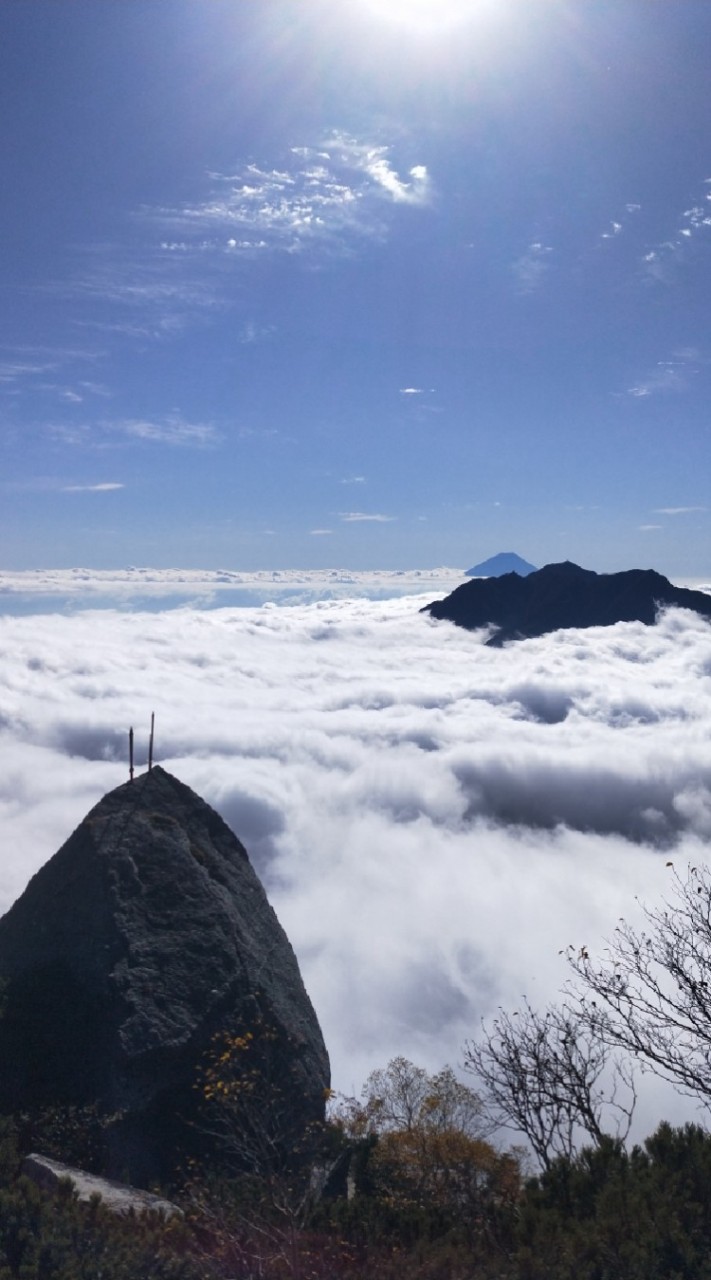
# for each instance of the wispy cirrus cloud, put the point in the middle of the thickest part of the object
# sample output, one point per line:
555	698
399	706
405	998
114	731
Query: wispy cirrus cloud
661	262
677	511
363	517
672	375
252	332
375	162
617	225
106	487
330	195
75	394
171	271
153	296
24	368
14	371
531	268
666	377
171	430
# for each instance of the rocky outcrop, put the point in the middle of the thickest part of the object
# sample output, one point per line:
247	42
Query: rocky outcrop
563	595
116	1196
147	934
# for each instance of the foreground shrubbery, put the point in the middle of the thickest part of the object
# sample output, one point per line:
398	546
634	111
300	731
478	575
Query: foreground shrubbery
54	1237
429	1196
603	1214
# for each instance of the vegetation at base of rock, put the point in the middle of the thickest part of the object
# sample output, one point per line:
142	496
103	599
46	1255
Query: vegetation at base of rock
247	1085
601	1214
73	1135
53	1237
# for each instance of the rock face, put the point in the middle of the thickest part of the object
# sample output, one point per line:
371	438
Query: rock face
504	562
563	595
143	937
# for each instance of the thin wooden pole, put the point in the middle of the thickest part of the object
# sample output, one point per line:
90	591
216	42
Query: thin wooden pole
130	754
150	741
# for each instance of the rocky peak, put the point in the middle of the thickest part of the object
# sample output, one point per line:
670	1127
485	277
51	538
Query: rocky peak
144	936
504	562
563	595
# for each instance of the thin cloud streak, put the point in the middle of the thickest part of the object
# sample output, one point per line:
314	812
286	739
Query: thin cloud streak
172	430
677	511
109	487
364	517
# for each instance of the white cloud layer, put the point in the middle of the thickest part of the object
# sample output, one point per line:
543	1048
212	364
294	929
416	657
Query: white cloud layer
433	819
36	590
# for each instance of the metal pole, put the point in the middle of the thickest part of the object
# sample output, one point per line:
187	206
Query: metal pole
150	741
130	754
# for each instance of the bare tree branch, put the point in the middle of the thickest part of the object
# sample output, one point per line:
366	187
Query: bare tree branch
650	993
552	1077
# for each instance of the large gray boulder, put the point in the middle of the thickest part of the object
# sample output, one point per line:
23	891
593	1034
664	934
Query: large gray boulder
146	935
119	1198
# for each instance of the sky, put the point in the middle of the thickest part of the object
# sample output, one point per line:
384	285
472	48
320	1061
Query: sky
369	284
434	821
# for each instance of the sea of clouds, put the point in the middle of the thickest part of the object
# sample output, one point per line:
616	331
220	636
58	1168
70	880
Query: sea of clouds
434	820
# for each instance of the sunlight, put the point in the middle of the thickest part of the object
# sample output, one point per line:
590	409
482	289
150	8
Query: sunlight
428	16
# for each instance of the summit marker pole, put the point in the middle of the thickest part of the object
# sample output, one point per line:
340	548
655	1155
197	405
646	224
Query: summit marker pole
150	741
130	754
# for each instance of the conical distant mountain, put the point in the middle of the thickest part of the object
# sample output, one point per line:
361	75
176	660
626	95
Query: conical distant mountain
563	595
504	562
143	937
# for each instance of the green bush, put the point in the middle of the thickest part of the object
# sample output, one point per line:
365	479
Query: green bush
612	1215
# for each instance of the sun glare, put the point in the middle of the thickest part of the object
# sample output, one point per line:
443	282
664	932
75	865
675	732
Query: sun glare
427	16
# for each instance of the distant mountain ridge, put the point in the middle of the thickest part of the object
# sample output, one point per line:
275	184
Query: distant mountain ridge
504	562
563	595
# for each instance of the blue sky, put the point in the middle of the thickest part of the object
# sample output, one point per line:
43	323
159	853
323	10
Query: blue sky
306	284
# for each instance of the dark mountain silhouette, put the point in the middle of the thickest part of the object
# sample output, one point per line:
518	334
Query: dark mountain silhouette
563	595
143	937
504	562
